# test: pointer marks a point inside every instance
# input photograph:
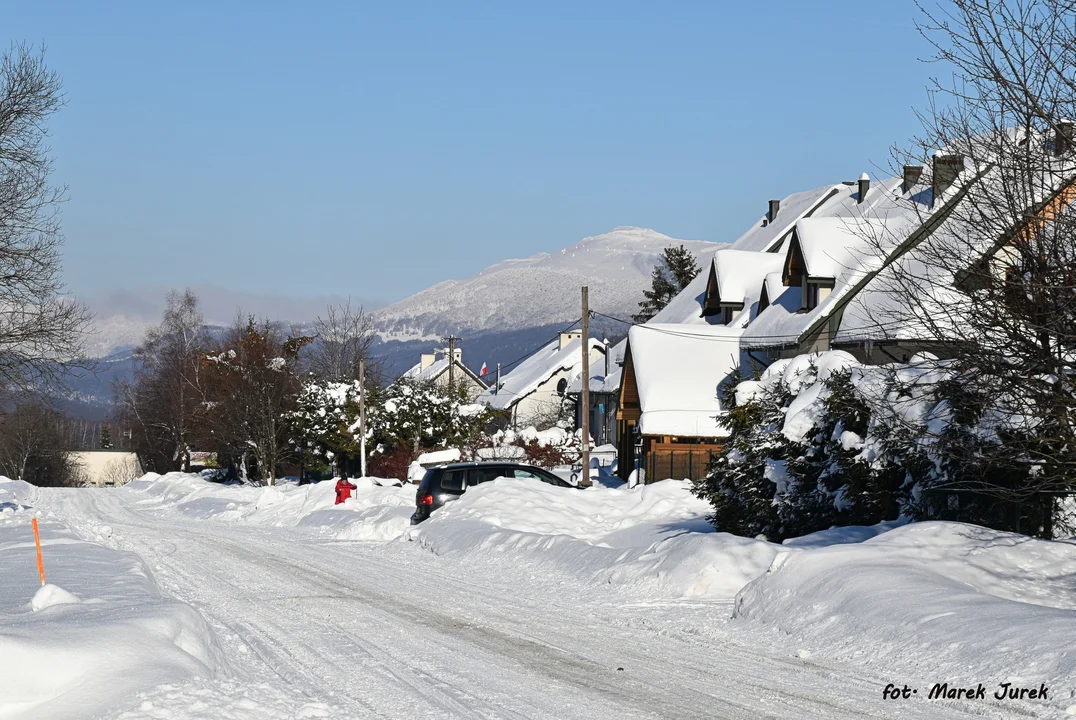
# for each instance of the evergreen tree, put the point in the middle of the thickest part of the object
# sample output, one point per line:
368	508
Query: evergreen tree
675	269
831	482
106	437
744	480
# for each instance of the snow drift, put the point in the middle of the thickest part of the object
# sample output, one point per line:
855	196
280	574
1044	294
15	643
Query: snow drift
379	510
654	539
961	602
100	629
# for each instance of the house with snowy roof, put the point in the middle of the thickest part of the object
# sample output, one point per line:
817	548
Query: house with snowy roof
668	420
534	392
604	394
671	418
843	266
437	368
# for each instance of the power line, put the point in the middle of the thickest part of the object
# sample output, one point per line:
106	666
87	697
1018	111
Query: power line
544	343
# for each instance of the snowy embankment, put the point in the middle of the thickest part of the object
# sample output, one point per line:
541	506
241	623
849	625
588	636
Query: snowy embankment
100	629
378	510
944	602
654	539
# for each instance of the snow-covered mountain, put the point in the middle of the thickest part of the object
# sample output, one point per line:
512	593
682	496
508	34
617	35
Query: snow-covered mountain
539	290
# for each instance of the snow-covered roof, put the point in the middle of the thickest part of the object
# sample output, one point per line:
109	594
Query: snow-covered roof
750	253
740	272
435	369
677	370
879	311
536	369
765	235
845	241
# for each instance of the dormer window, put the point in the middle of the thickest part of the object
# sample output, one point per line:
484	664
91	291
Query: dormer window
815	290
727	314
810	296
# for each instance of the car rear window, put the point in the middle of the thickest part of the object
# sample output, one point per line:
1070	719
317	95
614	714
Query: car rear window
452	481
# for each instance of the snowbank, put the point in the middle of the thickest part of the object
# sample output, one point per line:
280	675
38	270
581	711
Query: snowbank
375	512
653	538
960	603
100	630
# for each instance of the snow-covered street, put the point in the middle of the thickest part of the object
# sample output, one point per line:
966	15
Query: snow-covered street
309	625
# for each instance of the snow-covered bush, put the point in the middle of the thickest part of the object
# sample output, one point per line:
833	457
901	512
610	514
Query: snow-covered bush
402	420
549	448
821	440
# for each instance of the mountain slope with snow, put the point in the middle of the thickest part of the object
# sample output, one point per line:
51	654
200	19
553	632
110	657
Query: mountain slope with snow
540	289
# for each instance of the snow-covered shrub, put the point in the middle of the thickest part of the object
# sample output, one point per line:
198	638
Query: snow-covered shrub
821	440
549	448
402	420
744	480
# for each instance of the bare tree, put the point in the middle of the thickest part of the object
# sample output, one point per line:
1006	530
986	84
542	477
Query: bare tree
165	402
992	288
253	390
344	336
40	328
32	444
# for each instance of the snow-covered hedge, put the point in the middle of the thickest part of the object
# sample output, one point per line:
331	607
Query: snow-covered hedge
822	440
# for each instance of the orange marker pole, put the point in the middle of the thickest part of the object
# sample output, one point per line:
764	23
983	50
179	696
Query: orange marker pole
37	541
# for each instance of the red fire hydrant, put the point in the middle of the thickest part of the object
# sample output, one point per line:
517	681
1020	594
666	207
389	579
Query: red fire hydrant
343	490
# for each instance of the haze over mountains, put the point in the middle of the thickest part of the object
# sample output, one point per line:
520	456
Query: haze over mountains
502	312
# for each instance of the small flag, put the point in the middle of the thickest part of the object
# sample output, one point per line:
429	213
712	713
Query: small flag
483	371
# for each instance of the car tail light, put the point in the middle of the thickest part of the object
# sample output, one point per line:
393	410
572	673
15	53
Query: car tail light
425	499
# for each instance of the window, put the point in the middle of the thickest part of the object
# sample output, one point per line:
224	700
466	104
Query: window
452	481
726	315
811	296
477	476
562	385
536	474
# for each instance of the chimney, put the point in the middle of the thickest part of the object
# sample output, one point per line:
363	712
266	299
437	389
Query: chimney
912	173
567	337
1064	137
864	186
946	170
457	353
426	359
775	205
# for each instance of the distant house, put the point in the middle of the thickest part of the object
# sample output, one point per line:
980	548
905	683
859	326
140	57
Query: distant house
604	395
106	468
435	368
536	389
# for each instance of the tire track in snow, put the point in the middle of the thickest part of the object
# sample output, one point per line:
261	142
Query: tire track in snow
437	644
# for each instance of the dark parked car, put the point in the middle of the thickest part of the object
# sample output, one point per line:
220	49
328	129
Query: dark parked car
447	482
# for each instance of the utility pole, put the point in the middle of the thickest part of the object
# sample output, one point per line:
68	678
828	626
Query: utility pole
451	340
362	417
585	479
497	383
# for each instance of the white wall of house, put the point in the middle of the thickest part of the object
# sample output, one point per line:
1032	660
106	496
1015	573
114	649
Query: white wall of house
107	468
544	399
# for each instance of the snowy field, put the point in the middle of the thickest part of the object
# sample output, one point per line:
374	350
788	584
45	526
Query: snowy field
175	597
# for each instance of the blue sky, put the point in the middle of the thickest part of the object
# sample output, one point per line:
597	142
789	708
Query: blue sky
373	149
